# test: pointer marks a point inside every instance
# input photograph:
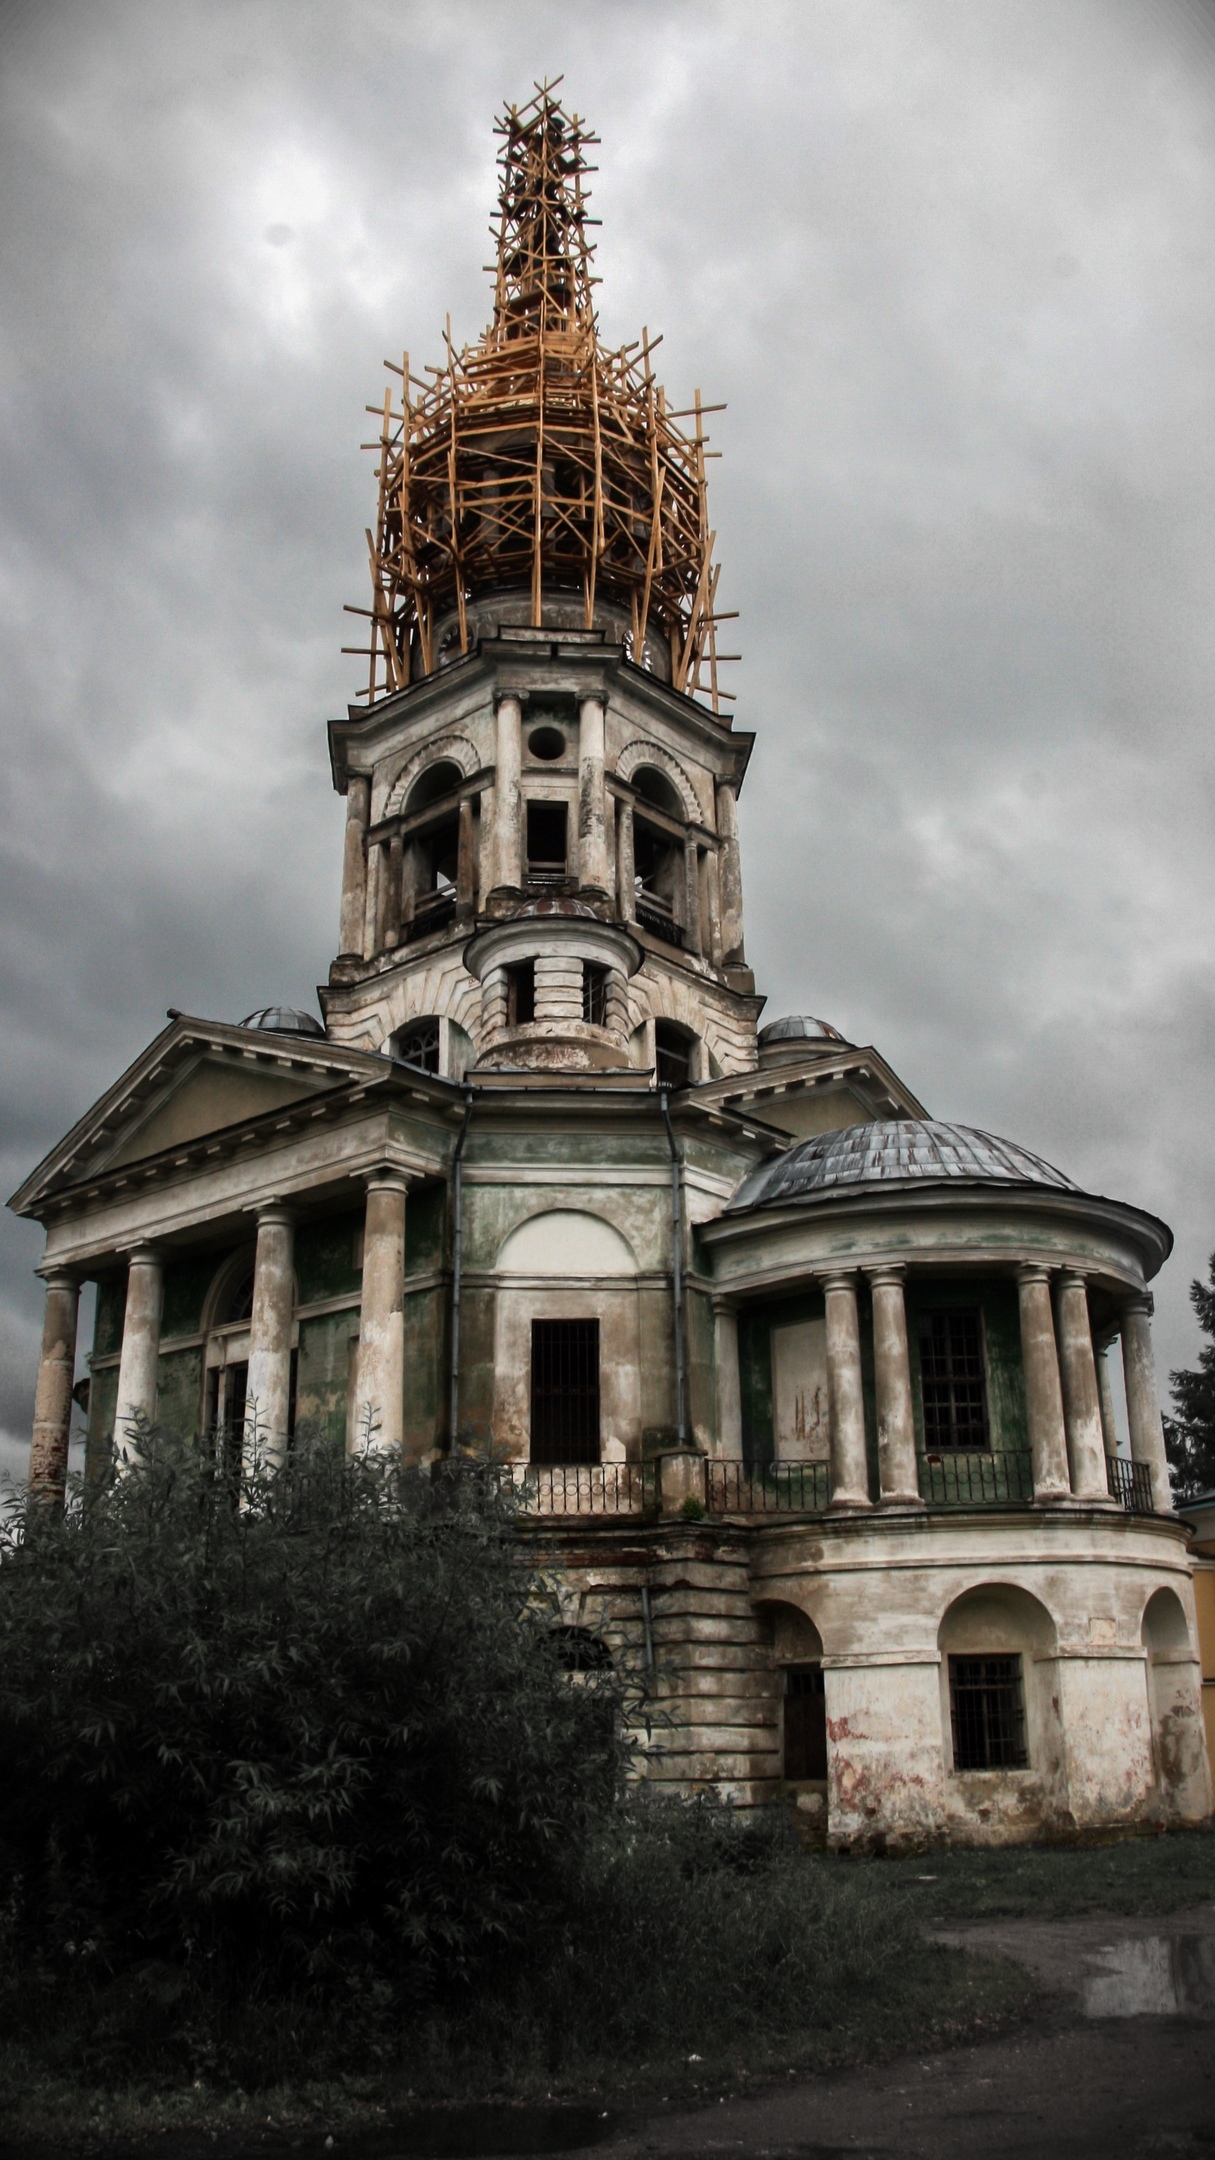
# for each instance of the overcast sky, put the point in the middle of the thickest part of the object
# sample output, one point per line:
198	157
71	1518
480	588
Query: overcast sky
951	263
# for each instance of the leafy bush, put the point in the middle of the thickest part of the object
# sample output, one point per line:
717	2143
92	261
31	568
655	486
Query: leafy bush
316	1752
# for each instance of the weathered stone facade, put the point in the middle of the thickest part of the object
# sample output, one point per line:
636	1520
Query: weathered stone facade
806	1395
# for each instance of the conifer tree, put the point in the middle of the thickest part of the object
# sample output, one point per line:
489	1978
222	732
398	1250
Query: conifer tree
1190	1432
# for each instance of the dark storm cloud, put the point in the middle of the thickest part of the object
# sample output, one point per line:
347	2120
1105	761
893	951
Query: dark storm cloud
952	267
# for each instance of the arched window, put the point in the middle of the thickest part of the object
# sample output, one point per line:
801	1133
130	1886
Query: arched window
418	1044
435	781
673	1047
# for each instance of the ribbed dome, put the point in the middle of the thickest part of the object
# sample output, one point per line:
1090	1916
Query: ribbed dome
895	1151
284	1020
799	1027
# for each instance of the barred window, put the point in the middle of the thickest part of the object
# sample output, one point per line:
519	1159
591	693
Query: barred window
594	994
952	1382
987	1711
565	1391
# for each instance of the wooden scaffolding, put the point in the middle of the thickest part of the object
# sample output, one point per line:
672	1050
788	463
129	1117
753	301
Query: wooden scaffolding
537	462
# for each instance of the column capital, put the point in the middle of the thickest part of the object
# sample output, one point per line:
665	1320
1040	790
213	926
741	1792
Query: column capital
60	1278
386	1178
275	1211
838	1279
1074	1275
1139	1301
1033	1271
141	1255
507	697
886	1271
721	1302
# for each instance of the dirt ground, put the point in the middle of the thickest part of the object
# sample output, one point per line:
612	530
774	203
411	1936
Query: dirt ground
1065	2086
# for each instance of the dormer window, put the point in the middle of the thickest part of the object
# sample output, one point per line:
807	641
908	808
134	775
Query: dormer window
418	1044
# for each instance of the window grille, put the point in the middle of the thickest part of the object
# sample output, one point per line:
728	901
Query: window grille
565	1391
987	1710
594	994
673	1054
419	1045
952	1381
805	1738
521	993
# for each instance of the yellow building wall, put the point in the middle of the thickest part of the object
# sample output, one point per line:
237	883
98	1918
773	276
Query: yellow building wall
1204	1600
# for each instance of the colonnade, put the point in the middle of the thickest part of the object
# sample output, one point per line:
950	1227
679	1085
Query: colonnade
1068	1398
376	895
381	1346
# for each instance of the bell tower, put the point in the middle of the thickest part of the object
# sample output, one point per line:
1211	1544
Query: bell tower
541	866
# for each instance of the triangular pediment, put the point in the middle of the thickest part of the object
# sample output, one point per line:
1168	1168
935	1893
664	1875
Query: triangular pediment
197	1078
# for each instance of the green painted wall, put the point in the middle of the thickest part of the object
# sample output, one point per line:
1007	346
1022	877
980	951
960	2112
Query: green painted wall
179	1391
323	1379
186	1285
111	1306
324	1258
997	1304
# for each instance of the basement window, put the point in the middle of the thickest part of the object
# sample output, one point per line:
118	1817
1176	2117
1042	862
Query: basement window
987	1711
546	843
521	993
952	1382
594	994
565	1391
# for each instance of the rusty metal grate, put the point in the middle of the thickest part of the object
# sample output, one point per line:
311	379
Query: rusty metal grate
1131	1483
987	1710
951	1380
565	1391
740	1488
957	1479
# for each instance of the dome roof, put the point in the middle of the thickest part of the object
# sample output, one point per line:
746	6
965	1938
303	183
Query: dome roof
800	1027
284	1020
894	1151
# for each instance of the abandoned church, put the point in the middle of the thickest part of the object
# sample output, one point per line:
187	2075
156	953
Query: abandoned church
808	1397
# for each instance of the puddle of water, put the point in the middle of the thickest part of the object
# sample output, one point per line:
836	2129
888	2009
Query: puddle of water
1153	1976
484	2130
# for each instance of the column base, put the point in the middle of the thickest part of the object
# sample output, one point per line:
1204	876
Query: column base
850	1504
903	1501
1052	1496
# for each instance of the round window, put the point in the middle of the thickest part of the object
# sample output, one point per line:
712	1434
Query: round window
546	742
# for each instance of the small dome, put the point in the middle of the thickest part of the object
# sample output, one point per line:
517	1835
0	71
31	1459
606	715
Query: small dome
800	1027
894	1151
284	1020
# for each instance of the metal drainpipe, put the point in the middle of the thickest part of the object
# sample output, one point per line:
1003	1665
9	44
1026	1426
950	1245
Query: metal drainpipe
457	1249
681	1410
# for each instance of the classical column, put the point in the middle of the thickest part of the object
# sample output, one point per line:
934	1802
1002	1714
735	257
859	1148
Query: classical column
691	888
1105	1389
849	1469
140	1359
268	1398
380	1414
1043	1391
731	873
371	903
592	801
53	1400
626	889
1081	1396
354	866
392	894
713	890
508	839
466	862
1142	1401
729	1390
897	1474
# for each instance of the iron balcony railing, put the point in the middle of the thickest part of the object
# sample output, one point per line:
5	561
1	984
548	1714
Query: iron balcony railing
741	1488
1131	1483
431	911
656	916
965	1479
628	1488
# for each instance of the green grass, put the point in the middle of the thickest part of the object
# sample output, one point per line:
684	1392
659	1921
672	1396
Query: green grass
1140	1875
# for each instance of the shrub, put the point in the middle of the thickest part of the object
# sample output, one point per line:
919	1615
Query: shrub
312	1747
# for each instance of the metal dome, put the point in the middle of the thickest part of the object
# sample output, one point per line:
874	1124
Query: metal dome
800	1027
894	1151
284	1020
